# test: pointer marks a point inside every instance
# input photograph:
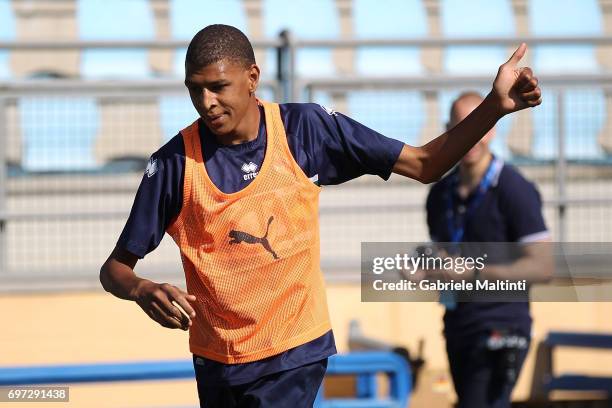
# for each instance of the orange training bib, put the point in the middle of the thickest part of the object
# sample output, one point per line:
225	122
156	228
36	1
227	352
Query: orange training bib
251	257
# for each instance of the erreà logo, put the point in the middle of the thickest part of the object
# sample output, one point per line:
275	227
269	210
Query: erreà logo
151	167
251	169
330	111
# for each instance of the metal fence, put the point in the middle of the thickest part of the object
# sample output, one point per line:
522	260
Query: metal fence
63	200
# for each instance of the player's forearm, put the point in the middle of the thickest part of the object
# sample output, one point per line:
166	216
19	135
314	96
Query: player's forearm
442	153
119	279
430	162
533	270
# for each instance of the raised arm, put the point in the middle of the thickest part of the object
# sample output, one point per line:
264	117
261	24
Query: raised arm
514	89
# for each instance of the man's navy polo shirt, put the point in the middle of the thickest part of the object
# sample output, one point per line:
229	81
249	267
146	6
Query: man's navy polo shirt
510	211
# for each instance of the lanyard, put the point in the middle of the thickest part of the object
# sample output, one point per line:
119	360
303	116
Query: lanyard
456	225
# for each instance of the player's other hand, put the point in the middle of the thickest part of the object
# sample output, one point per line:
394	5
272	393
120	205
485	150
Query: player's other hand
515	87
156	300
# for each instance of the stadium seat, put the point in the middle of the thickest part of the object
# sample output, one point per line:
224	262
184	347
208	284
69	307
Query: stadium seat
572	381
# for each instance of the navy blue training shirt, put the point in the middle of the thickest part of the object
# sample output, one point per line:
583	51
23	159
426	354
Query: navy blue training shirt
510	211
330	147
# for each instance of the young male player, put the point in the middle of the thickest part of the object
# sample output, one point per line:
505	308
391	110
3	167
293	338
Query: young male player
238	192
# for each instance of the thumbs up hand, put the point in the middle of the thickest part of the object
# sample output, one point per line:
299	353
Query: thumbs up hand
515	87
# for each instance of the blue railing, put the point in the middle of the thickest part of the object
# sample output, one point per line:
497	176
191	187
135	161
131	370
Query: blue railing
365	365
103	372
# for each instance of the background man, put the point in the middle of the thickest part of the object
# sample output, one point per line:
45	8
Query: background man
484	200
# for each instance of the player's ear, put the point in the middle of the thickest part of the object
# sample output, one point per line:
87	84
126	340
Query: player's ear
254	74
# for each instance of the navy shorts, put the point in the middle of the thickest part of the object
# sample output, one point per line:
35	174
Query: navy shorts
295	388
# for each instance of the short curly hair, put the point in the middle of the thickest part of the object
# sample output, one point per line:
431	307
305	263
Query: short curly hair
218	42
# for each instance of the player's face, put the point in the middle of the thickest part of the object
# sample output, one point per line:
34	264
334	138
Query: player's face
221	93
461	110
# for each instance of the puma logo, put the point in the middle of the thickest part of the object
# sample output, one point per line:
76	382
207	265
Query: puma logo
240	236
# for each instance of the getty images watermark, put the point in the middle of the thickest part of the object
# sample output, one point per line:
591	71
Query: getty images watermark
428	268
486	271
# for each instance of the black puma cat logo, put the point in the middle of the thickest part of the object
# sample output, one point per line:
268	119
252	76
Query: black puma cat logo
239	236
